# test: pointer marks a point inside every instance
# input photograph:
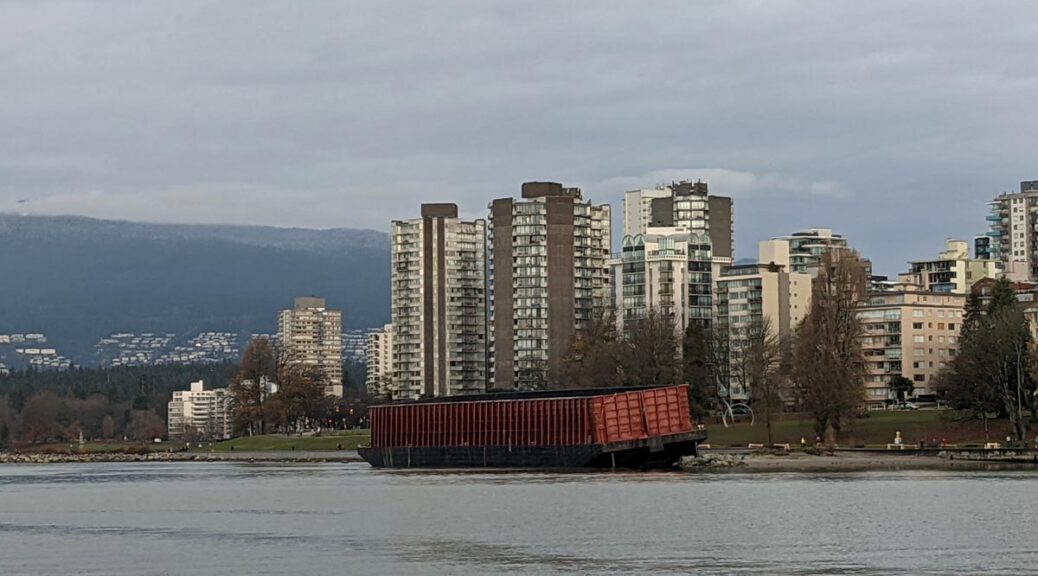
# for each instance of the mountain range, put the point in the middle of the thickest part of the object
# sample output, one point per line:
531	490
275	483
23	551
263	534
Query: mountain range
79	279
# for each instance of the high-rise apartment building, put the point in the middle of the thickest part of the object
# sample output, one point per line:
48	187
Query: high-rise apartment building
201	412
908	332
687	205
667	270
549	276
439	343
747	294
1013	232
953	271
379	381
310	335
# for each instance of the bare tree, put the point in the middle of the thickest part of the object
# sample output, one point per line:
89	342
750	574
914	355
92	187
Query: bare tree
758	366
593	360
652	351
145	425
107	427
301	391
829	366
248	389
39	418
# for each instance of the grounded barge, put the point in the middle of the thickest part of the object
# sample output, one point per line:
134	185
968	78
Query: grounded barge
604	428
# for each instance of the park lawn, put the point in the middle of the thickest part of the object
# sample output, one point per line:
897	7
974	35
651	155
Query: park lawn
344	440
878	429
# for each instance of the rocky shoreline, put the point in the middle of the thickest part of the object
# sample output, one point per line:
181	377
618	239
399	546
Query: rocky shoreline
97	457
857	461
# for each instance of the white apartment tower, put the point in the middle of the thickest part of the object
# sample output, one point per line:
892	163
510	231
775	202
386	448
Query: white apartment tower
1012	236
667	270
687	205
380	362
310	335
439	332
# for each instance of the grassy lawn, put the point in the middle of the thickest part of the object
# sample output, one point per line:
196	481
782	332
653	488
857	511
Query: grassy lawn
95	447
877	429
344	440
338	440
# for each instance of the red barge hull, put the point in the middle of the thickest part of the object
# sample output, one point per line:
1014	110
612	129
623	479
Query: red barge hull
617	428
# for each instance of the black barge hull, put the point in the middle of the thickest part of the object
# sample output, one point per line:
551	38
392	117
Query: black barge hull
662	452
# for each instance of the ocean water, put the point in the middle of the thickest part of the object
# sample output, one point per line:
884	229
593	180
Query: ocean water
345	519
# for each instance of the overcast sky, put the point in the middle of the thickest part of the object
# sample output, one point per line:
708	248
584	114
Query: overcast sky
891	122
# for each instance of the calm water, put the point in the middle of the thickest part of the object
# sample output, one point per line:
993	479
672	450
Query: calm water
345	519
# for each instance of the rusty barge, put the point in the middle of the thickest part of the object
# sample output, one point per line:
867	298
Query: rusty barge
598	428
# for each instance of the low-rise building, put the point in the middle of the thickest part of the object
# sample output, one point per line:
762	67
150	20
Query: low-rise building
953	271
206	413
909	332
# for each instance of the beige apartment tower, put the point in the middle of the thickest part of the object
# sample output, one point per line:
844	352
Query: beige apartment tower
549	276
310	335
439	341
747	294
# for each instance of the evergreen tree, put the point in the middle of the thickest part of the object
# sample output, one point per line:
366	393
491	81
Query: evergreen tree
989	376
697	360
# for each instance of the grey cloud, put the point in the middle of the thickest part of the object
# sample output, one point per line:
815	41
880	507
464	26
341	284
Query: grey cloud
889	122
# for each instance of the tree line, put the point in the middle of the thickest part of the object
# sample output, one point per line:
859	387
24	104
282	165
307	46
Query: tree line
300	402
130	402
819	367
94	403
